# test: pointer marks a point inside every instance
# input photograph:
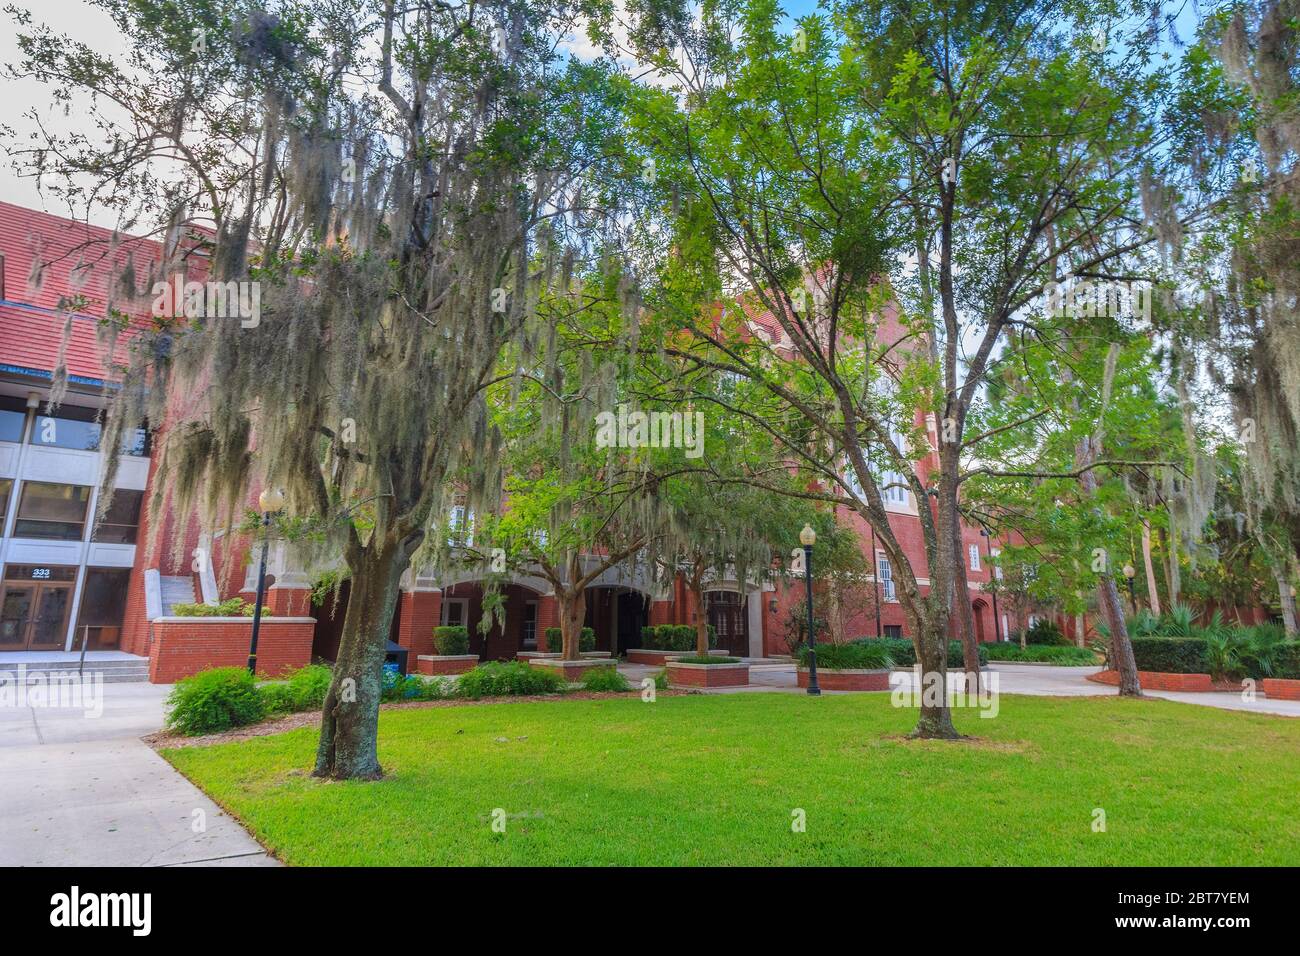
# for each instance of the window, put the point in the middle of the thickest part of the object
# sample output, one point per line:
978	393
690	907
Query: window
894	487
886	576
13	415
894	631
997	569
454	612
103	606
529	636
6	486
122	521
52	511
974	557
460	527
78	428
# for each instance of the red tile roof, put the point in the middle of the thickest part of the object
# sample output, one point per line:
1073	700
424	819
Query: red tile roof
49	262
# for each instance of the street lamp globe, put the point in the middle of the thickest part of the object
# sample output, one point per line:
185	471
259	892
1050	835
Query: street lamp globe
807	537
271	499
1129	571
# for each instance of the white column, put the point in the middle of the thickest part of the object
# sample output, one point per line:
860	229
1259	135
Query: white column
754	608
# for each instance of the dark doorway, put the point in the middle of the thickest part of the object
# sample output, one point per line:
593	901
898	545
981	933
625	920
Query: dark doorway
726	611
632	616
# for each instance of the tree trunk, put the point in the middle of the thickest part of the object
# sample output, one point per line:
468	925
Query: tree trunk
1288	605
348	748
1153	594
935	722
573	611
961	607
1079	639
701	618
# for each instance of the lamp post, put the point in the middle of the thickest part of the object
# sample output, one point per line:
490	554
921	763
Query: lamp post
808	537
1129	573
875	578
993	578
270	501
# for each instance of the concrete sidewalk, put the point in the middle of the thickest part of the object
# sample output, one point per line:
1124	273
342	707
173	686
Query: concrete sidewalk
78	789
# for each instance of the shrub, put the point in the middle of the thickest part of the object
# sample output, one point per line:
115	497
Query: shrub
649	637
1046	632
1041	654
308	686
605	679
903	652
214	700
235	607
696	659
835	657
1173	655
675	637
451	640
497	679
276	699
555	640
1286	661
396	686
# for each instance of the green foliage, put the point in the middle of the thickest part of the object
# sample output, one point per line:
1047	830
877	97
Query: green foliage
515	678
396	687
1173	655
234	607
214	700
851	656
796	626
903	652
303	689
674	637
452	639
603	679
1045	631
1041	654
555	639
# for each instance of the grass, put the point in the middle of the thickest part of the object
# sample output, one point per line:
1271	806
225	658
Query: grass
714	779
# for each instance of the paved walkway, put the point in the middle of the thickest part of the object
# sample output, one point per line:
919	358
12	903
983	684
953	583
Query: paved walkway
79	788
1041	680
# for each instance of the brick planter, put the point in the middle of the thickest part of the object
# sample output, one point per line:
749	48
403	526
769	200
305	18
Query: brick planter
1160	680
707	675
181	646
535	655
847	679
1281	688
658	658
571	671
432	664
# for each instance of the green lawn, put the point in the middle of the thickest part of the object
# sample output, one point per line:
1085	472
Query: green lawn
714	780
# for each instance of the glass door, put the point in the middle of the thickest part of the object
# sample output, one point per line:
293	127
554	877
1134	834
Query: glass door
49	628
15	613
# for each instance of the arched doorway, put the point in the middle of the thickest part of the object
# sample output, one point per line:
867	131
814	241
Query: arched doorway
617	615
978	607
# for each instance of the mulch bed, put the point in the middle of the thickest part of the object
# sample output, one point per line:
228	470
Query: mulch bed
165	739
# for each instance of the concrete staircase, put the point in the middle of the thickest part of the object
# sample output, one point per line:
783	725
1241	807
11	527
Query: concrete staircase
175	589
115	670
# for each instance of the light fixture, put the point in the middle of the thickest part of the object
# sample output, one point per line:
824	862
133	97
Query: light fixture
771	606
270	500
1129	571
807	537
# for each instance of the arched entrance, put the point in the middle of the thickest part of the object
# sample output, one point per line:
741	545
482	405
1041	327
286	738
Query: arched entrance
978	607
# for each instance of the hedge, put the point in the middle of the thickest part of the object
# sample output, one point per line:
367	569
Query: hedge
903	653
1040	654
1170	655
451	640
869	655
555	640
674	637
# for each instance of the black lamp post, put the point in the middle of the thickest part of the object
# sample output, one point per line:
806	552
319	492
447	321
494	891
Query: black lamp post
808	537
875	578
270	501
993	578
1130	573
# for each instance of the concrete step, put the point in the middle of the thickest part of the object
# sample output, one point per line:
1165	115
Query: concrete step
113	671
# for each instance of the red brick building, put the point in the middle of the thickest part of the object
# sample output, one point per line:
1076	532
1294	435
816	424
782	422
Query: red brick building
65	582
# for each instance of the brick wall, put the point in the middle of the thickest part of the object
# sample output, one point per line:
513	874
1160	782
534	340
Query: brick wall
418	613
182	646
1158	680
